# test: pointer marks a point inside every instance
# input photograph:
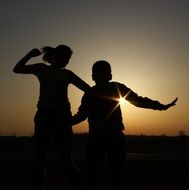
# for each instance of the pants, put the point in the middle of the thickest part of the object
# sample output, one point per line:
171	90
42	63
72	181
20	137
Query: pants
52	124
109	149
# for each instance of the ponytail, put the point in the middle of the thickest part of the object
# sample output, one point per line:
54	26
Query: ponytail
48	53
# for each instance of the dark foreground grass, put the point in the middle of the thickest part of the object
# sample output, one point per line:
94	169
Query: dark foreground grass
143	171
153	163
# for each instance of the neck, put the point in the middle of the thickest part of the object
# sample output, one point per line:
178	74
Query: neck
56	67
101	82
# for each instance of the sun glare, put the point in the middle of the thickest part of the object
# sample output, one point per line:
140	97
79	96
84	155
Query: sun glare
122	101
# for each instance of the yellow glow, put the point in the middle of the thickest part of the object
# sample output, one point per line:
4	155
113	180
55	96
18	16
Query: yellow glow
122	101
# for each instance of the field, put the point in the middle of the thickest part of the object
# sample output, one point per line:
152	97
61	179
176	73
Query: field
145	169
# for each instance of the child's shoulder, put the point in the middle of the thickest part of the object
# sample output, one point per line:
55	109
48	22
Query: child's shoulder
118	85
114	83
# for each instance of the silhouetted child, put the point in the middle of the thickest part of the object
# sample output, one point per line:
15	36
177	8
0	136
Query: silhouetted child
53	116
106	140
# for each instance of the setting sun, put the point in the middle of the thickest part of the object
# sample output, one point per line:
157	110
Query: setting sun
122	101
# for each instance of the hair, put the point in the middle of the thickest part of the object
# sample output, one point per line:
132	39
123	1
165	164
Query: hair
101	71
63	49
49	52
101	66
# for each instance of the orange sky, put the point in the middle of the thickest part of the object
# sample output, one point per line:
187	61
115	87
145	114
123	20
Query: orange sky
146	43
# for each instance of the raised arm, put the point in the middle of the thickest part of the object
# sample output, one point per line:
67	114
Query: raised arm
21	66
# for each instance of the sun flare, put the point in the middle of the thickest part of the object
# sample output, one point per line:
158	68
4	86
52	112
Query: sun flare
122	101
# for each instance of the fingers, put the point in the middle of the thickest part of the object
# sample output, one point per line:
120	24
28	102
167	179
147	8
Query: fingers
175	100
173	103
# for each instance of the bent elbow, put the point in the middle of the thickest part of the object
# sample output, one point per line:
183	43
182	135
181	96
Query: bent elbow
16	70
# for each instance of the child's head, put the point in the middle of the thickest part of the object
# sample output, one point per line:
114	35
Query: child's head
58	57
101	72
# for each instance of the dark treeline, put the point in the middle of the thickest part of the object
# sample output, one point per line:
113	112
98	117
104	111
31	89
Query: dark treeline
134	144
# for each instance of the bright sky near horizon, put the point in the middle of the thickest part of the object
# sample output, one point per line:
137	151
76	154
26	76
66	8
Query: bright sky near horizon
146	42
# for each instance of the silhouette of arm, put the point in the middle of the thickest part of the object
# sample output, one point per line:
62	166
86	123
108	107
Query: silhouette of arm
78	82
148	103
82	113
21	66
173	103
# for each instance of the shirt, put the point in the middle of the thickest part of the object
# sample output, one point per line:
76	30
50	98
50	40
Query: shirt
54	85
102	107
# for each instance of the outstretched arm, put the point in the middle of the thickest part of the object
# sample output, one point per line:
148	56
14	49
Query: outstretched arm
21	67
79	83
145	102
173	103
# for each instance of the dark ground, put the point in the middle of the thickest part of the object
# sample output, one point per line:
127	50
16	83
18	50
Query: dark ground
155	170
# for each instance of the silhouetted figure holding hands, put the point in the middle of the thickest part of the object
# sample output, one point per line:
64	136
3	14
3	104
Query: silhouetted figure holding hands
106	140
53	116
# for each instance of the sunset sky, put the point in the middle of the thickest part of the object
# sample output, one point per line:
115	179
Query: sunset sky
146	42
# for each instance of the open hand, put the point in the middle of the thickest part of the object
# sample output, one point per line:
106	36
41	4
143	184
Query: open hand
173	103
